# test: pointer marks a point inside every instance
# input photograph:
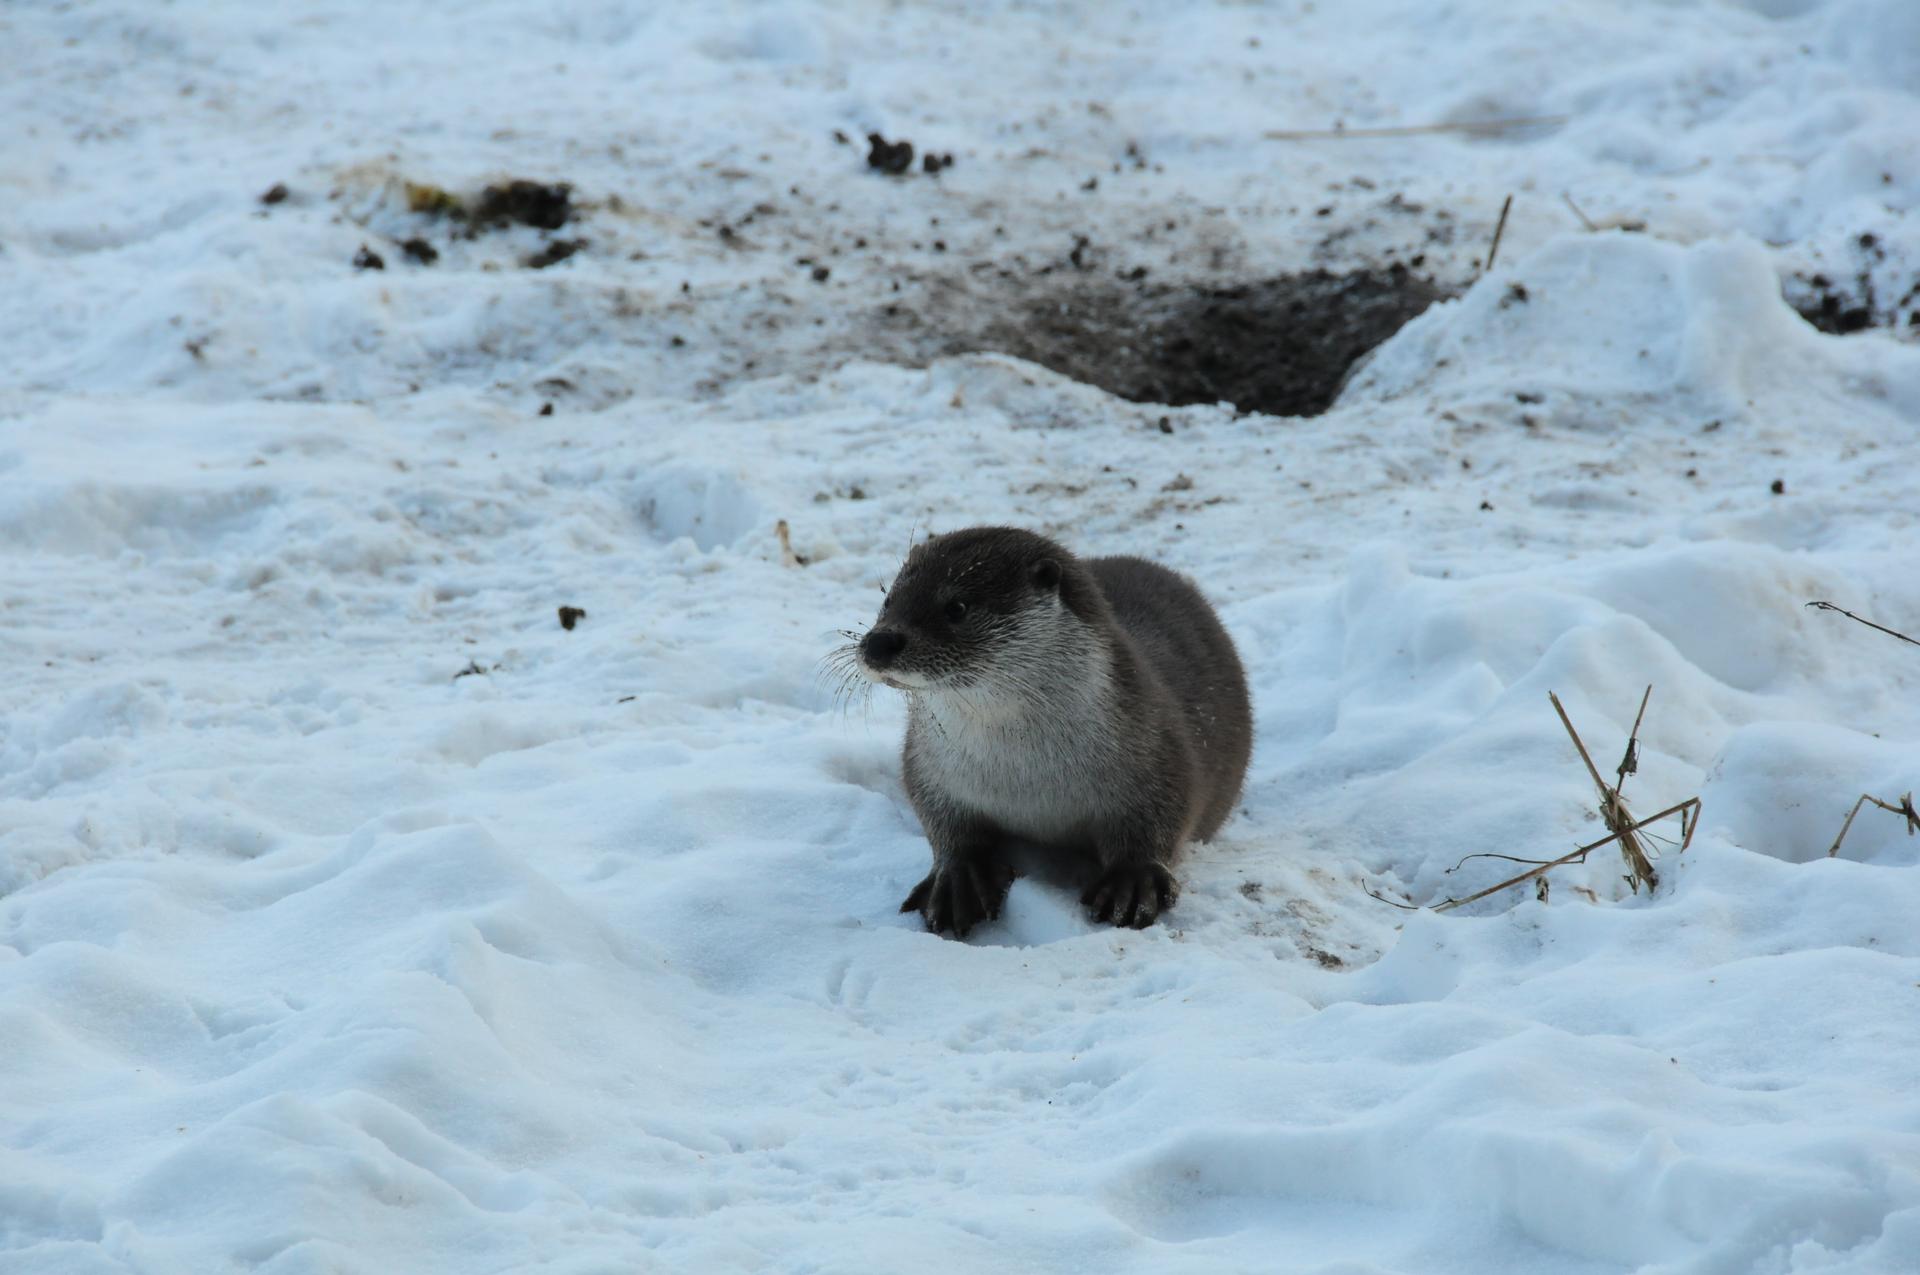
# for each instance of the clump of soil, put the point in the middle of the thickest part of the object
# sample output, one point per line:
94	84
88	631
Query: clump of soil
554	253
274	194
543	205
537	204
892	158
1833	310
1839	308
421	251
368	259
1281	346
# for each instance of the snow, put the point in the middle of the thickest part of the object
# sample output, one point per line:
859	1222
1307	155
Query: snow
357	917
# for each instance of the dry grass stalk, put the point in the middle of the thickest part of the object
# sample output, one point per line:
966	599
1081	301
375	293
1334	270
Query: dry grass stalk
1828	606
1584	219
1499	228
1622	826
1688	810
1473	128
1612	809
1903	807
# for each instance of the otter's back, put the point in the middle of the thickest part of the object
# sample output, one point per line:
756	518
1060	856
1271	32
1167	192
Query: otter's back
1177	633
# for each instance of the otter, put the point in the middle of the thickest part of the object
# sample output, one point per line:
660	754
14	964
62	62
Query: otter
1095	706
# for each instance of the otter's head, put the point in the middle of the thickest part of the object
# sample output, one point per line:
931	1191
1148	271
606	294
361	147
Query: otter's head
969	604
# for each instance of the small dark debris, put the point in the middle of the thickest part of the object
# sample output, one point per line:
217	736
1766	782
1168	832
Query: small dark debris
421	251
1179	482
821	274
1166	425
570	616
1525	396
276	193
368	259
1516	295
541	205
1779	487
554	253
546	409
1831	313
677	341
1486	506
1092	183
626	699
891	158
931	164
197	347
473	667
841	137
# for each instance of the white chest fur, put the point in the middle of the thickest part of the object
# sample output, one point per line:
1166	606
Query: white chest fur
1034	764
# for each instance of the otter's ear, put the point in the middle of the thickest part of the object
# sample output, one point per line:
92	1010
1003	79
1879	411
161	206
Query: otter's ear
1045	574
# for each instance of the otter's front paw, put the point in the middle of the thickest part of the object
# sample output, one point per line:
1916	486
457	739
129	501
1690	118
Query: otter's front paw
1131	894
957	896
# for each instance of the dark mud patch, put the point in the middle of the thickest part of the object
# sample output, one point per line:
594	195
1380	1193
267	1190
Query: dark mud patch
542	205
1281	346
554	253
1836	311
1879	294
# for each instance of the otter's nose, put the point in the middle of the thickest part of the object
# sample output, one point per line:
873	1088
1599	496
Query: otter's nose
880	646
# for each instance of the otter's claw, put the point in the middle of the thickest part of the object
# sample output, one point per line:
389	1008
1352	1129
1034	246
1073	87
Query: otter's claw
1131	894
955	897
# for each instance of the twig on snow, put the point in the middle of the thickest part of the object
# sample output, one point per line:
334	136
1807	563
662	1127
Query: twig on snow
1903	807
1691	806
1499	228
1612	808
1584	219
1828	606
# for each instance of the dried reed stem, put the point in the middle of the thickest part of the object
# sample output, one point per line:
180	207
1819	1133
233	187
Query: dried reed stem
1687	826
1903	807
1612	809
1828	606
1499	228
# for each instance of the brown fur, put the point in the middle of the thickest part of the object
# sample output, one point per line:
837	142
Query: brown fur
1097	706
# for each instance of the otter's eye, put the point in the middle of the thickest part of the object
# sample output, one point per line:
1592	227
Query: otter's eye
956	610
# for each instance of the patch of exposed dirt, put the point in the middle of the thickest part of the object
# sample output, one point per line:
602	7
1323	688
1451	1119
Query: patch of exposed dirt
1279	346
1843	306
1282	346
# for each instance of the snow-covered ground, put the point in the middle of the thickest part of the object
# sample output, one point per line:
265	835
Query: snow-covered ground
357	917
